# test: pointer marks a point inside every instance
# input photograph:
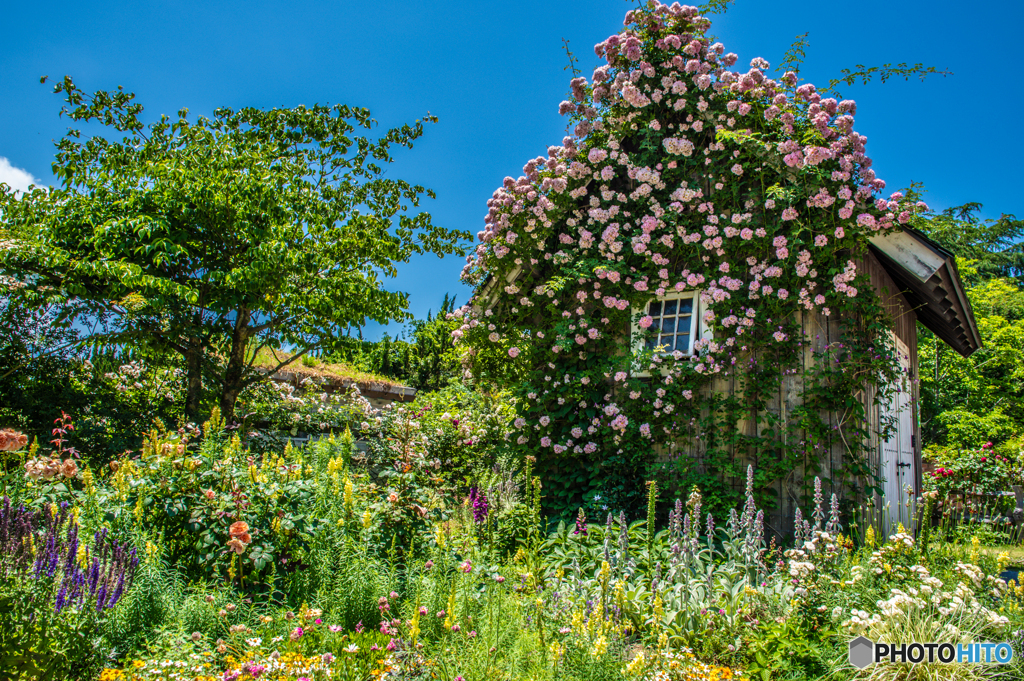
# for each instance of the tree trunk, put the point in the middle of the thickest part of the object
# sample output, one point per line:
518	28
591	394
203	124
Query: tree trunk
194	380
235	371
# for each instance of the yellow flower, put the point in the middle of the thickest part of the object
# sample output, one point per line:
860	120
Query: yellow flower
600	647
636	665
659	610
869	537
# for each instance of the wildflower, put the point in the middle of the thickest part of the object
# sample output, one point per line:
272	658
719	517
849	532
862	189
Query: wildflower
296	634
337	627
196	636
328	658
480	506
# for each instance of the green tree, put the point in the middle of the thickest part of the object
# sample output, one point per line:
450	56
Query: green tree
437	363
966	401
995	245
216	237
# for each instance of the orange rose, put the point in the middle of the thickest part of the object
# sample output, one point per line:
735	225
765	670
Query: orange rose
69	468
236	545
238	528
11	440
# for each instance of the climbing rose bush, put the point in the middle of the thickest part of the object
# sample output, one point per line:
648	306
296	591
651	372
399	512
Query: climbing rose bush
683	174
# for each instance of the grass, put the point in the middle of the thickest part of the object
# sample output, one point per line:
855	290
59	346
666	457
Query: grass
1016	553
307	365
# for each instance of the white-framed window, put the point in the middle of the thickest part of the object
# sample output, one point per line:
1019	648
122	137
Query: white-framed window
675	323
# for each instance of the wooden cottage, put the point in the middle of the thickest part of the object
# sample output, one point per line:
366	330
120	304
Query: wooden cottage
917	281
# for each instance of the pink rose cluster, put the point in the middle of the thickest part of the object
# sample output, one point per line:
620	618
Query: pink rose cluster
597	197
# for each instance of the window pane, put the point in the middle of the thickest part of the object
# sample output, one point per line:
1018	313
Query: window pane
651	343
655	308
667	342
685	305
683	342
670	307
668	325
684	323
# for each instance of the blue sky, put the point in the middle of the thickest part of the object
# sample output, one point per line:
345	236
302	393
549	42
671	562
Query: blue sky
493	73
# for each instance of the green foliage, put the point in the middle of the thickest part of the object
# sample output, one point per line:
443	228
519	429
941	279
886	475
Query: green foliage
204	237
465	429
981	397
785	650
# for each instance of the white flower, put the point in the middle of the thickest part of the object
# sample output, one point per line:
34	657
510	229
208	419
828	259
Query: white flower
254	642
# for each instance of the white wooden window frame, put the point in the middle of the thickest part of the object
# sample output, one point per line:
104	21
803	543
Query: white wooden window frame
697	329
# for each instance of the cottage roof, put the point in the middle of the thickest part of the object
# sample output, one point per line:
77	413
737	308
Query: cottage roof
926	275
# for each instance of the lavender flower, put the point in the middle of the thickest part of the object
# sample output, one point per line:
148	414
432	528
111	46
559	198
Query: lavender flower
110	567
833	526
818	514
798	528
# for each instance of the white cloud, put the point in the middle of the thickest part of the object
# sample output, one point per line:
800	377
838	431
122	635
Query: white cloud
18	179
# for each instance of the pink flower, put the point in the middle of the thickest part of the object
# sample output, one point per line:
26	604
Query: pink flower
645	322
866	220
513	352
296	634
789	214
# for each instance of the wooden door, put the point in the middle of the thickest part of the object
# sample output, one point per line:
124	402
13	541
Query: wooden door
897	456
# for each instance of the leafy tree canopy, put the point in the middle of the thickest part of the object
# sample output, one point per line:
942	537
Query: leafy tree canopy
214	237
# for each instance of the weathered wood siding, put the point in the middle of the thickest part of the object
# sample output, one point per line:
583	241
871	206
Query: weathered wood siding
820	332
